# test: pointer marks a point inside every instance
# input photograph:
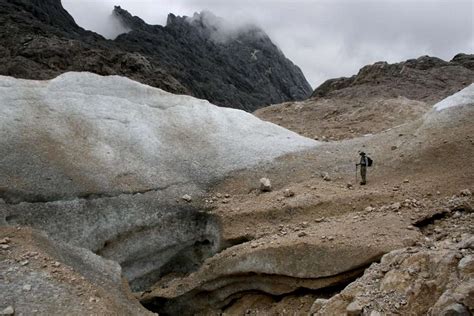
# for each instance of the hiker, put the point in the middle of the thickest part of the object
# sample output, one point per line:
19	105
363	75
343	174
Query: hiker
364	163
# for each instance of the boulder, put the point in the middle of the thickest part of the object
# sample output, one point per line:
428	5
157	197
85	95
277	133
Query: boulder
265	185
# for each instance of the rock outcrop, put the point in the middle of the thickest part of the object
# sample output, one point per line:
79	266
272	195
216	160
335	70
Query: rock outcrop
426	78
431	280
264	266
239	68
45	277
102	163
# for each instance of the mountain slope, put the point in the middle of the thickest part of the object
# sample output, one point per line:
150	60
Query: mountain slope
243	69
379	97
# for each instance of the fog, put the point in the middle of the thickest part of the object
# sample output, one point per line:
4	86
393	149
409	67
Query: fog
325	38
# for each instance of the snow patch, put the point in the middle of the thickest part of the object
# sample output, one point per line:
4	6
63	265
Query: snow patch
463	97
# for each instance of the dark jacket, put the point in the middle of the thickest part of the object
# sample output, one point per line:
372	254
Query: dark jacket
364	161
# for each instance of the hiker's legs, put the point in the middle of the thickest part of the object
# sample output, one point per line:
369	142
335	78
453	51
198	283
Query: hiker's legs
363	173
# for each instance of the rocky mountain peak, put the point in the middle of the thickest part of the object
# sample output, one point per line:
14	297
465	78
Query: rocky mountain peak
128	20
215	28
203	55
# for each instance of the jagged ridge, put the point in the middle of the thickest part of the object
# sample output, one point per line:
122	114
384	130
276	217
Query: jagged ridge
41	41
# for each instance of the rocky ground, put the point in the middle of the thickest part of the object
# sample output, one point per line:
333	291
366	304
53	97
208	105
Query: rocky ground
264	222
318	229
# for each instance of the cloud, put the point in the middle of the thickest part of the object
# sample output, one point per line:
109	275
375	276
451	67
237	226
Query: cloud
326	38
221	30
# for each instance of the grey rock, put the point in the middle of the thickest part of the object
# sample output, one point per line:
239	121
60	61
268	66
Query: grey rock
466	264
455	310
467	243
325	176
302	234
317	305
288	193
354	309
9	310
265	185
187	198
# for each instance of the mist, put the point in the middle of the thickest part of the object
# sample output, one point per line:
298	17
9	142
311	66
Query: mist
327	39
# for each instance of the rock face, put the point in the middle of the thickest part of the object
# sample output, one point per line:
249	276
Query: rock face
103	163
415	281
264	266
423	79
197	56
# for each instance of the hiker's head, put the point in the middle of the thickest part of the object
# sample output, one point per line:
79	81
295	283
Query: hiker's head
362	153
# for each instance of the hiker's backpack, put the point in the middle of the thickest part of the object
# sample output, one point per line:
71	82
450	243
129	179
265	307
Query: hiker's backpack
369	161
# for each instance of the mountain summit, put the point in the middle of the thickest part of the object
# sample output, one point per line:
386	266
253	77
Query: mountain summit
200	55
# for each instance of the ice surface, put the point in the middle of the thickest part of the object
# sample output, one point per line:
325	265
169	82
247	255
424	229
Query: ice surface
463	97
112	133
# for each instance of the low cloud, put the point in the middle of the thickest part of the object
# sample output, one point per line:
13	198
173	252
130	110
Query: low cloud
221	30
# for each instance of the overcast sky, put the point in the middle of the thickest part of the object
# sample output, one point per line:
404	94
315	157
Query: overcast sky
326	38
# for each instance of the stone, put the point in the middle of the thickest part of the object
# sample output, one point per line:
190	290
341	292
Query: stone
369	209
396	206
27	287
466	192
466	264
406	181
302	234
467	243
325	176
317	305
375	313
4	247
288	193
265	185
455	309
354	309
5	240
394	147
349	186
9	310
187	198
